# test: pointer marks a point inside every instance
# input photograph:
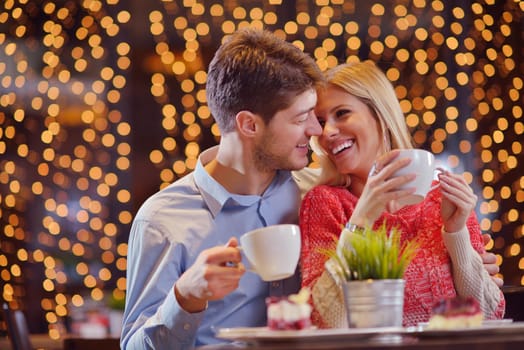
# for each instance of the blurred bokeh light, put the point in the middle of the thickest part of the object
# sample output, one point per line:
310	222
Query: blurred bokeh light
103	103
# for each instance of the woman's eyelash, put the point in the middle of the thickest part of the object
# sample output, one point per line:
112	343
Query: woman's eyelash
342	112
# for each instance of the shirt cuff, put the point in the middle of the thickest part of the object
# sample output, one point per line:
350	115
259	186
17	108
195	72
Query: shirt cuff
183	324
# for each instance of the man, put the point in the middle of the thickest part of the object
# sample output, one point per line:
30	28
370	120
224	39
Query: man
181	285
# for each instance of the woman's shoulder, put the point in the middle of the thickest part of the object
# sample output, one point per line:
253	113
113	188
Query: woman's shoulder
327	191
326	197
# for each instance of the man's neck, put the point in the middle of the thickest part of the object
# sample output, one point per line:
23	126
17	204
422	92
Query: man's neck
234	169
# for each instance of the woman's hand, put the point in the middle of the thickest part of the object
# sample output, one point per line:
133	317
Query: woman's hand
382	188
458	200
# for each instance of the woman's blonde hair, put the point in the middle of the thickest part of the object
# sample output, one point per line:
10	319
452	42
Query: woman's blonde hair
368	83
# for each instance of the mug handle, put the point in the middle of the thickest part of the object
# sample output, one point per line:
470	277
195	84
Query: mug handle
248	266
439	170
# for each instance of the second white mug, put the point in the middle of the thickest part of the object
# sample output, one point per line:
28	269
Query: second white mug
423	165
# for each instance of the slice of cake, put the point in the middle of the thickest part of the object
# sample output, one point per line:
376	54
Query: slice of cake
457	312
292	312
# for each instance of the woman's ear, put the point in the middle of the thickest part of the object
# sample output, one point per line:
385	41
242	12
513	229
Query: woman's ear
248	124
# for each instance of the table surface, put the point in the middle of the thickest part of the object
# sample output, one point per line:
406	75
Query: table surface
68	342
490	339
453	340
38	341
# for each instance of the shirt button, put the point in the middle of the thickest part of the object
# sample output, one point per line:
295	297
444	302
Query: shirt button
275	284
187	326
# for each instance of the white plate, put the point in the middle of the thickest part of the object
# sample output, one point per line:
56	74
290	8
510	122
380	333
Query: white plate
264	334
386	334
490	323
489	328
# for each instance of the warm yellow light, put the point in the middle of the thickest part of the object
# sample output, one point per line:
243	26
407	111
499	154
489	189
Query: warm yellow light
68	124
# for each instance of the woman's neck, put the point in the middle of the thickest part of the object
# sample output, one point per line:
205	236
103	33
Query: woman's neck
357	186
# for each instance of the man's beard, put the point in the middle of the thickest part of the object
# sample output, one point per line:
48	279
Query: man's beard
268	161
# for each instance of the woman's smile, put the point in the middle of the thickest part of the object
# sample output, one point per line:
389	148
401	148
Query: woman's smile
341	147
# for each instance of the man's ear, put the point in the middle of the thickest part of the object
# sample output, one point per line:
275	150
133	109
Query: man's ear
248	123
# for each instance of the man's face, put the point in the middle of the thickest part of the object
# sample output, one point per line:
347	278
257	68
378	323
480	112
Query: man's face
283	143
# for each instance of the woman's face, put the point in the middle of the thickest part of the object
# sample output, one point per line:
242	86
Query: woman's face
350	132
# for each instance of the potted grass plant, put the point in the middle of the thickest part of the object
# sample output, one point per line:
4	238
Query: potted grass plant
371	265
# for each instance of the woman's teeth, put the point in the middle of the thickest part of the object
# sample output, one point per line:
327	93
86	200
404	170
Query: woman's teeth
342	147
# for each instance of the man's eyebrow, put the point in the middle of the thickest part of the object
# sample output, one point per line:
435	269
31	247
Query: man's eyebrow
304	111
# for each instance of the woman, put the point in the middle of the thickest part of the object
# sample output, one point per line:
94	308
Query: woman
363	126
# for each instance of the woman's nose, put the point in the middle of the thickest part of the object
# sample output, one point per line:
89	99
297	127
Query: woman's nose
329	130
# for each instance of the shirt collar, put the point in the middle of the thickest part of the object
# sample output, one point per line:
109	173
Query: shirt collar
216	196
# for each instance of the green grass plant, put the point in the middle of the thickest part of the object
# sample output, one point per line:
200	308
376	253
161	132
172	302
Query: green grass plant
373	254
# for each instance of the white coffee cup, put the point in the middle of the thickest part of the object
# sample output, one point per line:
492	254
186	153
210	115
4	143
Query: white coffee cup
272	251
423	166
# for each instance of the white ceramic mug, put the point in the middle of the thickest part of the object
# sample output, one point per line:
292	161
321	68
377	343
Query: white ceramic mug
273	251
423	165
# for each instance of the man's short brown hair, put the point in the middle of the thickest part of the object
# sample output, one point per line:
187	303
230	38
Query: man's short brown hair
255	70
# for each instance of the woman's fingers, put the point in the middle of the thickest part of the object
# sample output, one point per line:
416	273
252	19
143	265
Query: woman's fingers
385	168
458	200
457	191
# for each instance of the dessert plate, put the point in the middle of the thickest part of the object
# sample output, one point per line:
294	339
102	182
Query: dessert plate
264	334
488	328
375	335
487	323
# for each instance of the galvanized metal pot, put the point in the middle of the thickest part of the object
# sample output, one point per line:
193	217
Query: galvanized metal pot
374	303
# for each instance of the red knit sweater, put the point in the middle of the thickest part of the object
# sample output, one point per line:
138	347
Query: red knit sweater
326	209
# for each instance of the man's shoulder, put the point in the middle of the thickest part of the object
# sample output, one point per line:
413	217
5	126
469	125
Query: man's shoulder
182	186
180	194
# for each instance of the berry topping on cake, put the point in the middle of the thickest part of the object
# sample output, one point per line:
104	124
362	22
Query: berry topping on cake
292	312
457	312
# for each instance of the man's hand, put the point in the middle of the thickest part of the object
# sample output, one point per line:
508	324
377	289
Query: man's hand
215	273
490	262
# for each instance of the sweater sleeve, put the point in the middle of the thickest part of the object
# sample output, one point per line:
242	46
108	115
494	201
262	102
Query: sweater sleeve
328	302
322	216
469	275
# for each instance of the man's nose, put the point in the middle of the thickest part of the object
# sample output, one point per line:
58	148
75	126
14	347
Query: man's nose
314	128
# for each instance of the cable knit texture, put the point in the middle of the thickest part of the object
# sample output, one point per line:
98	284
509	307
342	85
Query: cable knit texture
432	274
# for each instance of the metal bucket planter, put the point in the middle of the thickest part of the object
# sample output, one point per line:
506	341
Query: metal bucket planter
374	303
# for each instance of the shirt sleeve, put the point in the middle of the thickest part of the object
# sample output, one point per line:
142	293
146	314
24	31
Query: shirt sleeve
153	318
469	275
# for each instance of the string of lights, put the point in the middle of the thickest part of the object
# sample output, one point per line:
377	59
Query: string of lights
78	82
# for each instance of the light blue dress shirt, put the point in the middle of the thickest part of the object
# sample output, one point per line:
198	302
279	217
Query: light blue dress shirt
169	231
